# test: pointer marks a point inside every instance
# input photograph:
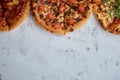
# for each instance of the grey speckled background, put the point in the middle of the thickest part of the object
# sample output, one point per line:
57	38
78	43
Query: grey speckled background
31	53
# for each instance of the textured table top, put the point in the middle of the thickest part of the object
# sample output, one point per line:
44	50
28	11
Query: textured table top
31	53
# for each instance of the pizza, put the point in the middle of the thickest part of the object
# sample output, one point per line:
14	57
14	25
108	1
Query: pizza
108	14
13	13
61	16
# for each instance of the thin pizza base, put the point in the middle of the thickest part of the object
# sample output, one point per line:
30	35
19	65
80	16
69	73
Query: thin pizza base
17	20
42	23
112	27
59	31
82	22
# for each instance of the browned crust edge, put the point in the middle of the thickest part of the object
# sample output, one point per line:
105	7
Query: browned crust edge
78	25
60	31
95	7
4	29
110	29
42	23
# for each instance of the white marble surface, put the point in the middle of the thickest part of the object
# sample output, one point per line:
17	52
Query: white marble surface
31	53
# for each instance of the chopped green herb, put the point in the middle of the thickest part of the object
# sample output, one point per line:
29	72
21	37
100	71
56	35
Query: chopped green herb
106	1
116	8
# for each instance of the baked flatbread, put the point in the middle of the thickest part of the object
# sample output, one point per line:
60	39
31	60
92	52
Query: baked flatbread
107	13
13	13
61	16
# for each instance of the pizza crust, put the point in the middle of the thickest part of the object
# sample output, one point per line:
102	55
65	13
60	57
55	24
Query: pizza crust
114	28
79	24
99	16
43	24
58	31
17	20
110	26
23	16
4	28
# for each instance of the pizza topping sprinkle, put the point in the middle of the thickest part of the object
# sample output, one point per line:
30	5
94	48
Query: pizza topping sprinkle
18	9
46	2
0	6
42	7
99	2
72	2
62	7
1	11
41	1
41	16
7	14
81	8
57	14
71	21
71	29
56	25
78	0
117	21
77	19
52	1
68	12
1	14
74	7
3	22
50	16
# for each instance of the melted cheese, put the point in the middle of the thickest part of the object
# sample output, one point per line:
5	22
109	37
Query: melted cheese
15	2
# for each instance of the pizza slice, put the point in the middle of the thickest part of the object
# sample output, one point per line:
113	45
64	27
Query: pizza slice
108	14
47	14
13	13
57	16
80	13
